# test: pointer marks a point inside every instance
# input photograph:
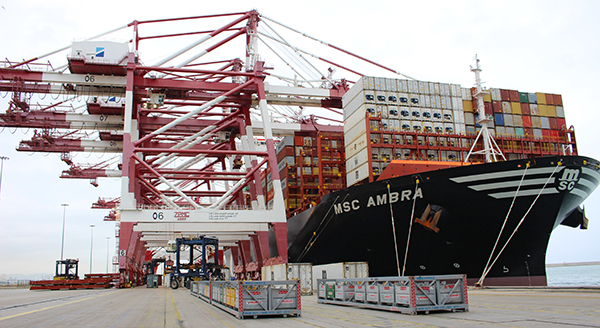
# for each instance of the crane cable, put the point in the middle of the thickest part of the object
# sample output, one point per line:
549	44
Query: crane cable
409	229
520	222
480	281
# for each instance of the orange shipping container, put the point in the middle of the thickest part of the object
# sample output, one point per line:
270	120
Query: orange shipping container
562	123
527	121
514	95
549	99
497	106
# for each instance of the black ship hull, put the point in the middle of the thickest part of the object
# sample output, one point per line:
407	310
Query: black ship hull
457	218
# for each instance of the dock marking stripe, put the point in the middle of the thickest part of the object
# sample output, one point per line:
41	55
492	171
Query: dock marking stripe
174	305
209	311
53	306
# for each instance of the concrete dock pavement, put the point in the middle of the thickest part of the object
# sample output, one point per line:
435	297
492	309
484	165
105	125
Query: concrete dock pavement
163	307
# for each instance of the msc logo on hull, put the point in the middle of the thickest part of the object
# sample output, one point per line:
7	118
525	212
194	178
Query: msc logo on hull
568	180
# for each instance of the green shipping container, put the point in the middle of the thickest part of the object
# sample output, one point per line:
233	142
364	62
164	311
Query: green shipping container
524	97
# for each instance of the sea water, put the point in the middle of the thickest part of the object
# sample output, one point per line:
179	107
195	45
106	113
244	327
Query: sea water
576	275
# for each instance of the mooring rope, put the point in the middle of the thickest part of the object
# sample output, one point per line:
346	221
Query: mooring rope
520	222
480	281
315	236
409	228
394	229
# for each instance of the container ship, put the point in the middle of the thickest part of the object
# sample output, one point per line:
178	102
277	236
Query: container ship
411	186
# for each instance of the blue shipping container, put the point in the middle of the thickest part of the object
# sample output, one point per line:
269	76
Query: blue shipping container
499	119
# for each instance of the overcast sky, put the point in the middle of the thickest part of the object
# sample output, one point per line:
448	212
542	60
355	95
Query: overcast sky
530	46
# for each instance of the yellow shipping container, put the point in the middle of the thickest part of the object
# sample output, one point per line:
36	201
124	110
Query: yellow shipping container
543	110
516	107
488	98
551	111
541	98
467	106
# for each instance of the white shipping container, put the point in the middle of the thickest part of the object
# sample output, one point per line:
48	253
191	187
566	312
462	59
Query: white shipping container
508	120
457	103
413	86
459	117
393	112
405	125
415	113
437	114
449	128
428	127
560	112
385	125
392	97
506	108
469	118
424	101
438	127
302	272
537	133
545	122
402	85
357	145
495	94
342	270
416	126
459	128
447	115
380	83
435	101
354	104
358	117
382	109
396	125
510	131
434	88
423	87
413	100
354	133
357	160
391	85
445	89
426	114
357	174
500	131
455	90
466	94
380	97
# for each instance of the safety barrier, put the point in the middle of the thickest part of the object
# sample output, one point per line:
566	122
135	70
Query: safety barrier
409	295
251	298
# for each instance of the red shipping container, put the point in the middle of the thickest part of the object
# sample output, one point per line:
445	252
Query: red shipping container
528	131
298	141
554	123
488	109
555	134
527	121
546	133
504	95
558	100
562	123
497	106
525	109
514	95
549	99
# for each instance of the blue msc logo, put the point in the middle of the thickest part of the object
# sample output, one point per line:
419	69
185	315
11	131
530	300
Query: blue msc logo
99	51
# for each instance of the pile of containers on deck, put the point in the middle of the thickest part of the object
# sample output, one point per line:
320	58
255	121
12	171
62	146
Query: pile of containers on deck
525	114
386	119
311	164
385	106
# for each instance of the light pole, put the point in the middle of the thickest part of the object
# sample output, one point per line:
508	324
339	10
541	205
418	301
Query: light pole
2	159
91	246
107	240
62	247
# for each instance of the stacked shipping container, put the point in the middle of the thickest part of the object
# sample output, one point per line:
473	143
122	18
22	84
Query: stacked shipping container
311	164
386	119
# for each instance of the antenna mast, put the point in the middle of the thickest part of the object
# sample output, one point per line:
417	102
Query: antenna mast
490	148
